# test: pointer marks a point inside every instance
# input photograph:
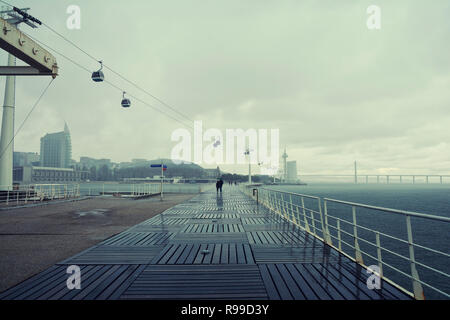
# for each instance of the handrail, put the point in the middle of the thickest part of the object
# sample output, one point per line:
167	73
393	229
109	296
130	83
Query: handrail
290	206
404	212
25	194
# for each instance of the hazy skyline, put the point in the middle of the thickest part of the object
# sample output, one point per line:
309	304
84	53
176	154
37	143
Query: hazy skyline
337	91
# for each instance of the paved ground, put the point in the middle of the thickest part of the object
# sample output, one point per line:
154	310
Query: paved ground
210	247
33	239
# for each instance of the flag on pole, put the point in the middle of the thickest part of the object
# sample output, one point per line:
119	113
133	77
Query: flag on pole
158	166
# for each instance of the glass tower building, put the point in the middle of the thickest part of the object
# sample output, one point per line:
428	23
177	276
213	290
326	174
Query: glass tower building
56	149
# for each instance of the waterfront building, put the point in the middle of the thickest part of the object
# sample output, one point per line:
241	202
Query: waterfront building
56	149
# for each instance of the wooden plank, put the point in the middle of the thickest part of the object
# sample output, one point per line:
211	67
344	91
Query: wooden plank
305	287
358	288
176	255
202	282
271	289
240	254
86	278
24	285
249	254
333	280
324	282
387	292
117	282
290	282
126	283
321	293
225	250
217	253
191	257
279	283
199	258
185	254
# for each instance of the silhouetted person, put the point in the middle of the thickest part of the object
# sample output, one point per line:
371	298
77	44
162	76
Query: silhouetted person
217	186
220	182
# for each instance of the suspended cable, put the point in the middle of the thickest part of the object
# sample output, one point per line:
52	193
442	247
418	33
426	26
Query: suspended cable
112	70
110	83
26	118
117	73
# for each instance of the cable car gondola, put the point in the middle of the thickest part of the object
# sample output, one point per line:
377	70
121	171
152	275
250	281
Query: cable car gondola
98	76
126	103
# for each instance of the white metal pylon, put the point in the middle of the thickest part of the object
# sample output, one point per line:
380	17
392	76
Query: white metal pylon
40	61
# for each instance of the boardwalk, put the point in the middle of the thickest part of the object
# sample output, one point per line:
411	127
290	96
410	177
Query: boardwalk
209	247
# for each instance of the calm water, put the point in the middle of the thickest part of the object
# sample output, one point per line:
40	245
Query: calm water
431	199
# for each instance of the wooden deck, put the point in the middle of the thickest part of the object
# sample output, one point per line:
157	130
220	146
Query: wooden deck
209	247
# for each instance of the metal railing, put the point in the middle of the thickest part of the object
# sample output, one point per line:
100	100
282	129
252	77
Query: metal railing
359	243
26	194
137	189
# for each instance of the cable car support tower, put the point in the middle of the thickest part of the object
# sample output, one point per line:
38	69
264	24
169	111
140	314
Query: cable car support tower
40	63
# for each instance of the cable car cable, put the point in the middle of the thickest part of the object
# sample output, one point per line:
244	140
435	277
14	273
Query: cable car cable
117	73
109	68
27	116
110	83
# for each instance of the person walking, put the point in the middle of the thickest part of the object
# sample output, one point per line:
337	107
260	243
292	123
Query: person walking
220	182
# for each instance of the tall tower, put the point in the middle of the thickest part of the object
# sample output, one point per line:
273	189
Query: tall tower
285	156
7	131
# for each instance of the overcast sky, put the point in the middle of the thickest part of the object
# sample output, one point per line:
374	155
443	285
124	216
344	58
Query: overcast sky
337	91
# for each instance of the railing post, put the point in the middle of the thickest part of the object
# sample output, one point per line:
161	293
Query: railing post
269	200
304	215
279	206
338	222
417	286
325	231
272	201
358	256
284	207
291	214
313	222
380	261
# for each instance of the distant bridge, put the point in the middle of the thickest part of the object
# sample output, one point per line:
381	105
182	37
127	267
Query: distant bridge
384	178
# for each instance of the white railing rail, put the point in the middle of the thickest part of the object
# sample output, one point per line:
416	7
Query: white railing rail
137	189
34	193
313	219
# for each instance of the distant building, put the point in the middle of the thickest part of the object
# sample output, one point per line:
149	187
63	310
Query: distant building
22	159
56	149
291	171
212	173
39	175
91	162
